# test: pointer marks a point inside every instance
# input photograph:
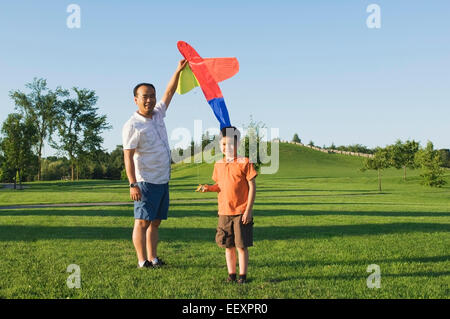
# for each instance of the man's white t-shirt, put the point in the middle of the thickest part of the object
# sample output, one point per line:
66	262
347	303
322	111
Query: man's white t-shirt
149	138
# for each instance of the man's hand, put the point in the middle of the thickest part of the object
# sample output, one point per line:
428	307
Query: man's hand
247	217
135	193
173	83
181	65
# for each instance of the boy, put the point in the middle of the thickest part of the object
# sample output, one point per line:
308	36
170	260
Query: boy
235	184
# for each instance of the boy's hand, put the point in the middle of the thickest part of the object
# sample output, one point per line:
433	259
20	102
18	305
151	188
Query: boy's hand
247	218
202	188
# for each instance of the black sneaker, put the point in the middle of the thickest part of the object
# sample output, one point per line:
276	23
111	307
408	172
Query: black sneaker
242	280
159	263
146	264
231	279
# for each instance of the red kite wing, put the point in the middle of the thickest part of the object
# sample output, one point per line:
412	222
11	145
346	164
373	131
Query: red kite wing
222	68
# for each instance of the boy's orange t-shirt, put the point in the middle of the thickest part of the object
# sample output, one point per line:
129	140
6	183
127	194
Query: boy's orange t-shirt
232	179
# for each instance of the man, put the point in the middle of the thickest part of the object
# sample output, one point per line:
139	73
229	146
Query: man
147	163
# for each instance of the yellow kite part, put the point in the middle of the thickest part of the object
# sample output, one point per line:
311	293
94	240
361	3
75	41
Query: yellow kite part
187	80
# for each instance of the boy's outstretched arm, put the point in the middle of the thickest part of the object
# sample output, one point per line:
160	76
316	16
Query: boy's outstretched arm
247	217
173	83
211	188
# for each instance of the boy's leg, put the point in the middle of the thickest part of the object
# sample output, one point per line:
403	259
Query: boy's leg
243	260
225	239
230	256
152	239
139	231
243	239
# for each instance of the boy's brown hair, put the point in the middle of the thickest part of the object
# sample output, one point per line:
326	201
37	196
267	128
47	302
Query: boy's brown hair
230	131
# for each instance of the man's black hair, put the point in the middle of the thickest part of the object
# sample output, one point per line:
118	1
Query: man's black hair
142	84
231	131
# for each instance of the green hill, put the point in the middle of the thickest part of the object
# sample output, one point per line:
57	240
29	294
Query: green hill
295	162
306	171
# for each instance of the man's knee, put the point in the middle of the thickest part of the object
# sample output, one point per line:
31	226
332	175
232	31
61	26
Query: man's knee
141	223
155	223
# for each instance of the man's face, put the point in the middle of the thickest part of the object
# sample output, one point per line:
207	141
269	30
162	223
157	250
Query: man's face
145	99
227	146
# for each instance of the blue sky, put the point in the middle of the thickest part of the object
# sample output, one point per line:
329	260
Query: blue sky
307	67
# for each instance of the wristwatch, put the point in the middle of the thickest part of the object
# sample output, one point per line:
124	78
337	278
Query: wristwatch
133	184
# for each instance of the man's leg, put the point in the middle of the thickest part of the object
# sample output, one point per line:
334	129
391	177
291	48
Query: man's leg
152	239
139	231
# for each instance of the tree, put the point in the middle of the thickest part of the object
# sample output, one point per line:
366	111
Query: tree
206	139
296	139
55	168
80	127
2	160
3	166
42	107
255	136
430	161
19	138
192	147
116	163
445	156
402	155
7	173
378	162
311	143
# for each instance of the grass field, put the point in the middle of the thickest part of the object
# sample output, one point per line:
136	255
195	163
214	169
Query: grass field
319	223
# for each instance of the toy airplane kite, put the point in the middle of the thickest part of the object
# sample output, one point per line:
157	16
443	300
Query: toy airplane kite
206	73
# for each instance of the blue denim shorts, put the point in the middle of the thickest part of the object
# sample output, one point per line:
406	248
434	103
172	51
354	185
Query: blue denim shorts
154	203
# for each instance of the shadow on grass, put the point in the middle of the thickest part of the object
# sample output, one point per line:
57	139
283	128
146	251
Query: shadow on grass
330	195
73	211
32	233
363	262
287	189
96	186
88	183
360	276
209	209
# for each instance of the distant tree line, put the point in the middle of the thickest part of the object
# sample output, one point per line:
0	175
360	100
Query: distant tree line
409	154
401	155
356	148
103	166
67	119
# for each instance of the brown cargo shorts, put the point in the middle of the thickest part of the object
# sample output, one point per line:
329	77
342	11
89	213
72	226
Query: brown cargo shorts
231	232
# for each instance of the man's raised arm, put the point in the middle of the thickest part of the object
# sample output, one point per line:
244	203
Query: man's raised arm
173	83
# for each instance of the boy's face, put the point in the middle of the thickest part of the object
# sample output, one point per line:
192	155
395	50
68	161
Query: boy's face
145	99
227	146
